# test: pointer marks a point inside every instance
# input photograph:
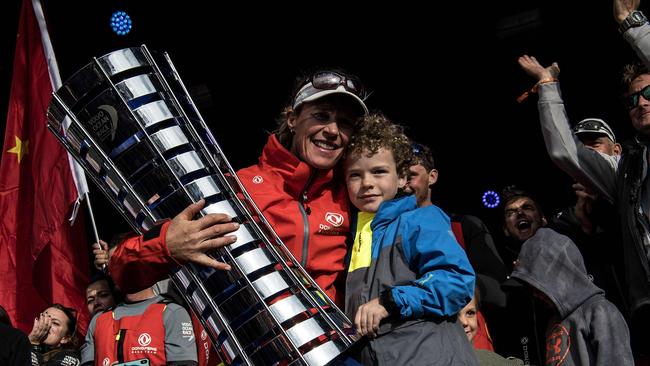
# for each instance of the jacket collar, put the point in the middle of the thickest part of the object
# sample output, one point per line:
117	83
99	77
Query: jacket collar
296	174
390	210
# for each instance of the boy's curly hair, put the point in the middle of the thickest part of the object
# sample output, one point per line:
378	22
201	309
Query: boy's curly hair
375	131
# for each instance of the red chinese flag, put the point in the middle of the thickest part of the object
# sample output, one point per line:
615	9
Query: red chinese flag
43	259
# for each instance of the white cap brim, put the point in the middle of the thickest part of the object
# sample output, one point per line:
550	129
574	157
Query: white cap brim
319	93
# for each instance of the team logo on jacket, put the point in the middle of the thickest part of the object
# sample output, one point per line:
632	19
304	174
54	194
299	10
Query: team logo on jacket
258	179
106	362
144	339
336	219
558	345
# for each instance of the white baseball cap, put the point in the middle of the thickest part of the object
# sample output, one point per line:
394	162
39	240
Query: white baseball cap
324	83
594	125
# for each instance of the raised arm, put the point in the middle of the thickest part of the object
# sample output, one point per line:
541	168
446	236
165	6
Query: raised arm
586	166
636	31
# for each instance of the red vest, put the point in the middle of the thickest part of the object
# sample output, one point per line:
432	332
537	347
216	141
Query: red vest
131	337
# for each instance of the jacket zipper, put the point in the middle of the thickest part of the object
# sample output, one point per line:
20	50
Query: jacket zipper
305	211
120	345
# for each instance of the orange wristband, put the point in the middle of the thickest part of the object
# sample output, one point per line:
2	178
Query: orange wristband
525	95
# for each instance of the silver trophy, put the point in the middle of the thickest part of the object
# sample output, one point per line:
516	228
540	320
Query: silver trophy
137	133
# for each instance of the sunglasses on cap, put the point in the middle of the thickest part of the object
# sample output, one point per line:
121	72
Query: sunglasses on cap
593	126
632	100
328	80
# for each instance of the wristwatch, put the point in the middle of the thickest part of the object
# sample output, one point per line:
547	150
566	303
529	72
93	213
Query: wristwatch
634	19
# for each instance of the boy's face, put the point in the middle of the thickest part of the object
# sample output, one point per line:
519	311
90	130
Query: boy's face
99	297
419	181
522	218
372	180
469	320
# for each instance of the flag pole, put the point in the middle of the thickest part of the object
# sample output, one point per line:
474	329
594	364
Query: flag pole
78	174
94	226
92	217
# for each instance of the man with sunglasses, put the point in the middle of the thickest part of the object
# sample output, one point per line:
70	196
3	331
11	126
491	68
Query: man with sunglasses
295	185
621	181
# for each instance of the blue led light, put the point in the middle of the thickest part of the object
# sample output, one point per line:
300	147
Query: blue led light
491	199
121	23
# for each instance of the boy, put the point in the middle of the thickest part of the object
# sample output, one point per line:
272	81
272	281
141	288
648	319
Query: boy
582	326
585	328
408	277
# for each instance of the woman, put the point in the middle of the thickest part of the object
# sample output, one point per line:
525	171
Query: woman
295	185
53	337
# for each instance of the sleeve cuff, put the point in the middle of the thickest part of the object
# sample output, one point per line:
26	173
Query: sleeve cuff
159	232
387	300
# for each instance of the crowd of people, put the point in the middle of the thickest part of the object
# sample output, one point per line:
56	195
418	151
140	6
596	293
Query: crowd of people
421	286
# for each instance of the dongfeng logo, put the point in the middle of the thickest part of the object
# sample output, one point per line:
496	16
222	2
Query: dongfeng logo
336	219
144	339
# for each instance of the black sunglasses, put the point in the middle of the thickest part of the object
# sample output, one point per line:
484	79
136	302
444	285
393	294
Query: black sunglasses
632	100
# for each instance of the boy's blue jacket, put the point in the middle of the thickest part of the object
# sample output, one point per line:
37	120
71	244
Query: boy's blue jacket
415	255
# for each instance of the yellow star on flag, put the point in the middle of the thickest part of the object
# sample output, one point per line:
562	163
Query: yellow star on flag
21	149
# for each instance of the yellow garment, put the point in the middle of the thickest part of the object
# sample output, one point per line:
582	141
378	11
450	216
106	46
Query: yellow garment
362	248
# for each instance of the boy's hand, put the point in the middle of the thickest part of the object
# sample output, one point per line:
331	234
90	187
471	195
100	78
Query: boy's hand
368	317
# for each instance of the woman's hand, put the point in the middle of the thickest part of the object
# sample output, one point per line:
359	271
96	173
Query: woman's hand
189	240
41	329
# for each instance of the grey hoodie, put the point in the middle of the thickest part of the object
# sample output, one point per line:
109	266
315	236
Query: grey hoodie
587	329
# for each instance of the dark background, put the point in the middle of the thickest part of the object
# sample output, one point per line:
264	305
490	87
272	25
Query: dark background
449	72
